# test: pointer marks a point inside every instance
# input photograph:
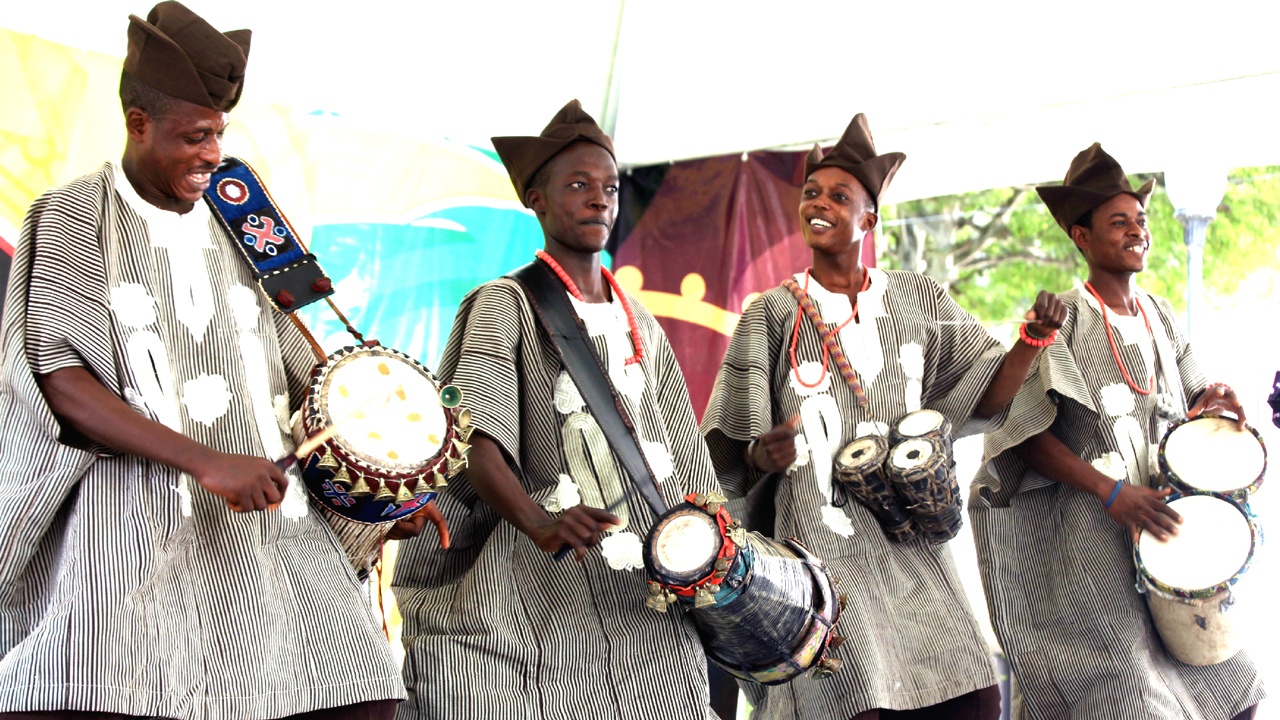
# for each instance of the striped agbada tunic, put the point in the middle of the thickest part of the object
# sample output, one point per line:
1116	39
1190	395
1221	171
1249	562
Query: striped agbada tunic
1058	572
912	640
494	627
124	586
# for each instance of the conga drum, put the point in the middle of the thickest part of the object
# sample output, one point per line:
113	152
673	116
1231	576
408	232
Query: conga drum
1212	454
922	474
765	609
1190	580
860	469
387	460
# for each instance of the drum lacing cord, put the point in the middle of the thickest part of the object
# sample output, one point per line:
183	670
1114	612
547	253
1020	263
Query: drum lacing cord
343	319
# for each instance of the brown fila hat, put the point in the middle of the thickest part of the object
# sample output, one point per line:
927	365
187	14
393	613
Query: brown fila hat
1093	178
523	156
855	153
176	52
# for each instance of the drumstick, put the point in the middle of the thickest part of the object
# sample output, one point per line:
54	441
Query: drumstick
631	490
309	445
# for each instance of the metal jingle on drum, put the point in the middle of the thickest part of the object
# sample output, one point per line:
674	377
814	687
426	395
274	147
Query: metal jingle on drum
450	396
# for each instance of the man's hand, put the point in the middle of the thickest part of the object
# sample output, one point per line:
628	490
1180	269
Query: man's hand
413	525
580	527
1046	315
1218	398
1141	508
775	450
246	483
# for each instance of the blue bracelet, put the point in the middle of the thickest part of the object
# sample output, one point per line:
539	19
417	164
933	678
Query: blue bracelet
1114	493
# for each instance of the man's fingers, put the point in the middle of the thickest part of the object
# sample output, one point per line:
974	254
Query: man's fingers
793	422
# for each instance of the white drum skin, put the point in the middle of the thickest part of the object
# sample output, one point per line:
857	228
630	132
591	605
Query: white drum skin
686	543
1213	454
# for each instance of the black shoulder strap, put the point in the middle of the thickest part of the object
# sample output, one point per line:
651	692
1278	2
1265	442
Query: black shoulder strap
551	304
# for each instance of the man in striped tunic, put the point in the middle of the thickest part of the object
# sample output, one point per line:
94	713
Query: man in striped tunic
1068	481
781	404
145	382
496	627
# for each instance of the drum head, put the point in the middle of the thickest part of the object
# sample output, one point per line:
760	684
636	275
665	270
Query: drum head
862	455
921	422
1213	454
683	546
402	428
1213	544
911	454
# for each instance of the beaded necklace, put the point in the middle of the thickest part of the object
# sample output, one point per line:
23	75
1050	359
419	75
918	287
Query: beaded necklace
1115	349
830	346
572	287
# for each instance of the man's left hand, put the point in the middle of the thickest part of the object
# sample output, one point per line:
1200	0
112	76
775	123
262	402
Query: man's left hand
1218	398
413	525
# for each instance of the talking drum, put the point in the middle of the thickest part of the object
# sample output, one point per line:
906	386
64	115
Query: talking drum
922	474
400	435
860	469
923	423
1189	579
1212	454
765	609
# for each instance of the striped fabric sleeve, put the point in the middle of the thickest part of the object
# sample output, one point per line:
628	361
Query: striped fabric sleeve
968	358
741	404
68	310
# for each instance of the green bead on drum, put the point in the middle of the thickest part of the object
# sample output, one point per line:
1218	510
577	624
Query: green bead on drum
450	396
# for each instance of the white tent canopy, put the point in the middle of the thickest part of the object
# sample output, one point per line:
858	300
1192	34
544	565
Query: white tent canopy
981	94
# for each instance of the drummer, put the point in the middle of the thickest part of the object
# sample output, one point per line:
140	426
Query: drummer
498	626
141	573
1068	482
783	404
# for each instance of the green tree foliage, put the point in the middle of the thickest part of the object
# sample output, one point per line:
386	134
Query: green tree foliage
993	250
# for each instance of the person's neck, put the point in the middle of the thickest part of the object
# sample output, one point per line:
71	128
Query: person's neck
136	179
840	273
1117	290
583	268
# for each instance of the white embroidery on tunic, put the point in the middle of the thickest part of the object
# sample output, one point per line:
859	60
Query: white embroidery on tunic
1117	399
591	465
206	397
132	305
568	399
185	243
564	496
623	551
810	372
837	521
155	392
1112	465
911	357
869	427
1133	445
802	453
823	428
659	459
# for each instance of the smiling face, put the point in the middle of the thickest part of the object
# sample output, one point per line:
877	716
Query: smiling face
169	158
577	202
1118	238
835	210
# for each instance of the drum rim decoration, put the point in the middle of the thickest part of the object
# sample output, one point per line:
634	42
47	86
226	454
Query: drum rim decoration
1162	588
1183	487
433	473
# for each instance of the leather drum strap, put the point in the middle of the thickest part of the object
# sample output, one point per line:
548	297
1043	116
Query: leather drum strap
550	303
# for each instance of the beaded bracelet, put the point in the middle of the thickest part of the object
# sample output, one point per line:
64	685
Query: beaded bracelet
1115	492
1034	341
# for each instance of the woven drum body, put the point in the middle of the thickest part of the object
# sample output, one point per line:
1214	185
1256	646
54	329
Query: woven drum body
1191	580
923	475
764	609
860	469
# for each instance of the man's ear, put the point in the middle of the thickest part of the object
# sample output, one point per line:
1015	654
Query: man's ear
534	199
1080	236
137	123
868	221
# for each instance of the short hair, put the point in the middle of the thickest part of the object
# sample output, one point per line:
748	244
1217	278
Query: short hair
1085	221
136	94
541	177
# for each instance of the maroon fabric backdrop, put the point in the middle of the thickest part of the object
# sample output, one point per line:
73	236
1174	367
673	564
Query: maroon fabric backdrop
732	221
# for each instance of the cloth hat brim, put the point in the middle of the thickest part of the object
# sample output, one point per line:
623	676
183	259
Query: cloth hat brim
1067	204
176	52
524	156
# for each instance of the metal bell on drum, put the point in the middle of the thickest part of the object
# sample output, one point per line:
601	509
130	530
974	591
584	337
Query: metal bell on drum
421	487
360	487
384	493
441	481
456	465
703	597
342	476
450	396
462	448
328	461
404	494
464	432
463	418
827	667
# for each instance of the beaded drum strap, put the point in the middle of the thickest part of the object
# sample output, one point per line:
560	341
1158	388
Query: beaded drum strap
829	338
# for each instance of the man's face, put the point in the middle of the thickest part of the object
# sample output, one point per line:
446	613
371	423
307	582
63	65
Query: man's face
579	202
834	210
176	153
1119	239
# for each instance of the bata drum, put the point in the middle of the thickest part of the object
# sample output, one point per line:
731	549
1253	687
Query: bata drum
1211	454
923	424
1189	579
765	610
921	472
400	435
860	468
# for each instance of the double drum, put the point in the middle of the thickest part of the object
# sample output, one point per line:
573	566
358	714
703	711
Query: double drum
908	481
1190	580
